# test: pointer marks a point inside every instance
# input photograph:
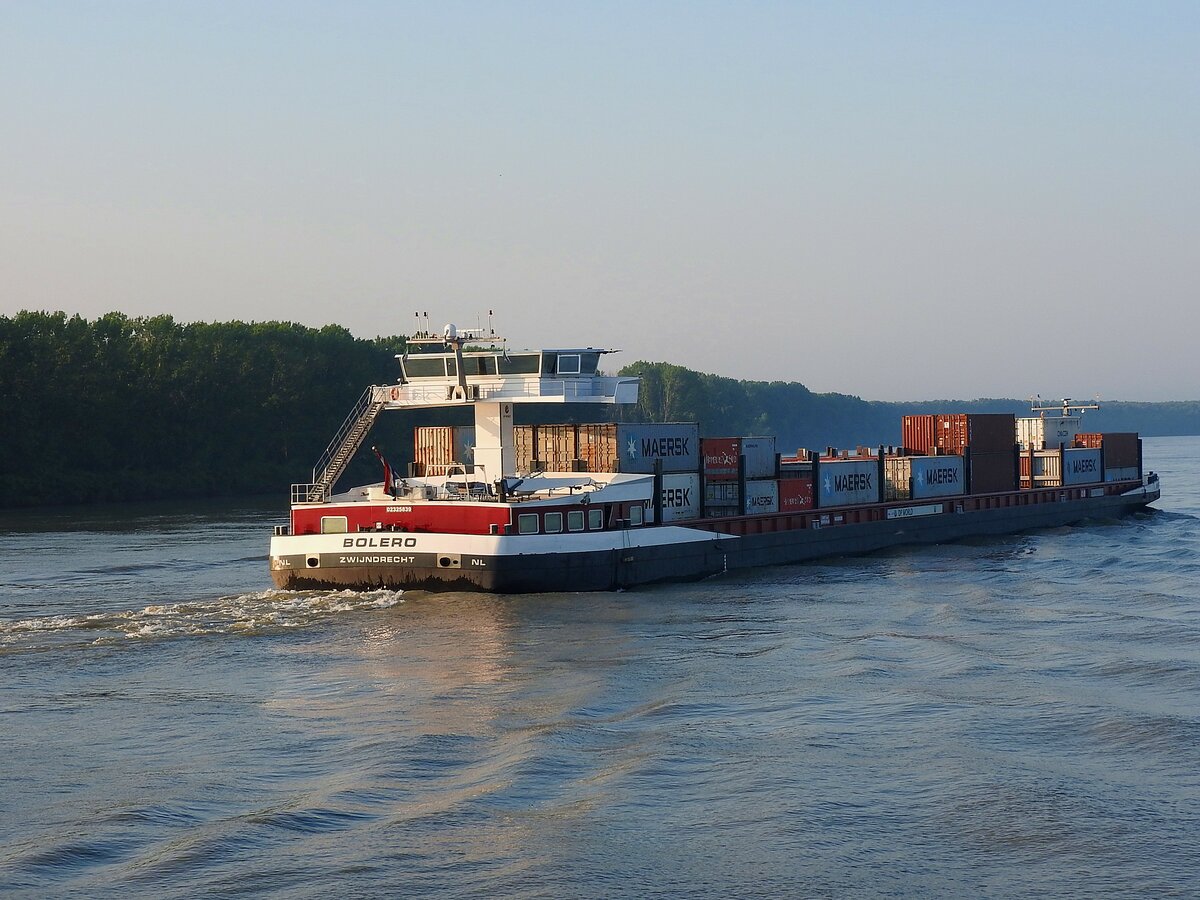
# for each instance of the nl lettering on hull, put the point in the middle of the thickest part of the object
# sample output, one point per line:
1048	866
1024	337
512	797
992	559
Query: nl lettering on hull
676	444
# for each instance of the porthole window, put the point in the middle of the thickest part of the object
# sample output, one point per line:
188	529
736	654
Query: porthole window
527	523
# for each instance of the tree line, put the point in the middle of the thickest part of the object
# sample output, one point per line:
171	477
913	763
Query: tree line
120	408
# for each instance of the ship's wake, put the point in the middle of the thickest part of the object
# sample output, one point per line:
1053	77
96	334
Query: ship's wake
257	613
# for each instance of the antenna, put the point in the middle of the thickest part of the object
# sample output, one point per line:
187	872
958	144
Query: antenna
1064	408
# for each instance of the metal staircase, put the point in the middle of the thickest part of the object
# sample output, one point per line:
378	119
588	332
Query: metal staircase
341	449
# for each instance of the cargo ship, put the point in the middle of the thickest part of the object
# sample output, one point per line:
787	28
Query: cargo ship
512	508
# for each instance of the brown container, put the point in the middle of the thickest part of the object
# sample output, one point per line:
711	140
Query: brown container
597	446
438	446
919	434
992	472
982	432
523	447
1120	449
555	446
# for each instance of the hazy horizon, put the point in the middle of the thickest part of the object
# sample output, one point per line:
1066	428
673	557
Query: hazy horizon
899	203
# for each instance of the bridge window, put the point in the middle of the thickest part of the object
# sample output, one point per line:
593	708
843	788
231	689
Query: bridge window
575	520
527	523
553	523
334	525
479	365
595	519
425	367
518	364
568	364
635	515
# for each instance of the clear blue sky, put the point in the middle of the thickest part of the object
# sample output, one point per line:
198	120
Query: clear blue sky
897	200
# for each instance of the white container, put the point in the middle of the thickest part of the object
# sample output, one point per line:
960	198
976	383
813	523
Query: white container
761	497
760	456
1048	432
680	497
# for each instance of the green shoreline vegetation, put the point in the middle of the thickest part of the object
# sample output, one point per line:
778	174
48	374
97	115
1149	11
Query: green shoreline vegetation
121	408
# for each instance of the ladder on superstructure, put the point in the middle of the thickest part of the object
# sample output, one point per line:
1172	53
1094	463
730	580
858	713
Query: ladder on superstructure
341	449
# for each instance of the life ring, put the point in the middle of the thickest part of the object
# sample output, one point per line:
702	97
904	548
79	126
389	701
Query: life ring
395	393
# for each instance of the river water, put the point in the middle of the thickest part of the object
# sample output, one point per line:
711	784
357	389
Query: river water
1007	717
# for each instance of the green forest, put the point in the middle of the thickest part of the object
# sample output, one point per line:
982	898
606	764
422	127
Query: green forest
122	408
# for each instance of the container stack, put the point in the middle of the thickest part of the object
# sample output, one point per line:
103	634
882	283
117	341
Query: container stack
1062	467
741	477
1119	450
923	477
677	446
720	458
989	438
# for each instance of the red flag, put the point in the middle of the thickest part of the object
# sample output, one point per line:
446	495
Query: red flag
388	475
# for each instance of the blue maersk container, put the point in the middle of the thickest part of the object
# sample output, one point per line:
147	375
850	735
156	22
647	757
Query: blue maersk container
677	444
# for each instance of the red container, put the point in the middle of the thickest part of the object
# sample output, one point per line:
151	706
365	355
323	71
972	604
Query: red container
919	434
720	458
795	494
1090	439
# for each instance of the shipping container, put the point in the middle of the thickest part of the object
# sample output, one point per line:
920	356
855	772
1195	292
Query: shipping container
897	477
848	482
919	433
1081	466
795	468
1045	464
1091	439
1047	432
677	444
982	432
760	456
953	432
720	458
762	496
922	477
523	455
721	493
680	497
719	512
554	446
597	447
992	472
439	446
1120	449
1126	473
795	494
